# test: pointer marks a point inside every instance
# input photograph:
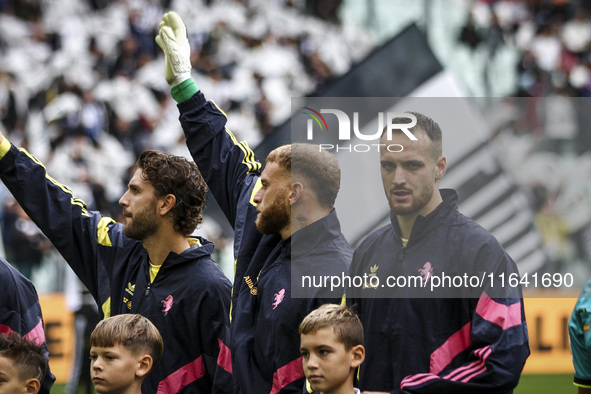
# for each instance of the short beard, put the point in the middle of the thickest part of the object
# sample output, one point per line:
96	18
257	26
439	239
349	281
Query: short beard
274	218
418	203
143	224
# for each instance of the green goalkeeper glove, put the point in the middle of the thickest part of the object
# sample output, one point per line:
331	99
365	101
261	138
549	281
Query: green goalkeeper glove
173	41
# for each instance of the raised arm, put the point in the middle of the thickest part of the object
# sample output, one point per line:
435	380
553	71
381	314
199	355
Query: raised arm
228	166
76	232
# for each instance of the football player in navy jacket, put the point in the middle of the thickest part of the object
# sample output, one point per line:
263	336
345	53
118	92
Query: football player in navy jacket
453	340
150	265
285	228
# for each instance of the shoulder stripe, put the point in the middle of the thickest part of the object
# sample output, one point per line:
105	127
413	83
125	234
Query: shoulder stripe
249	159
102	231
4	147
36	335
467	372
224	357
455	344
287	374
219	109
66	189
5	329
463	374
106	308
505	316
249	156
418	379
182	377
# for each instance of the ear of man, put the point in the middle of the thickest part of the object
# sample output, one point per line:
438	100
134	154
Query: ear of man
166	203
441	166
297	192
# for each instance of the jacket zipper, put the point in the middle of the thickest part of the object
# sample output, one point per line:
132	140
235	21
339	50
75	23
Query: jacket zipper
147	273
401	255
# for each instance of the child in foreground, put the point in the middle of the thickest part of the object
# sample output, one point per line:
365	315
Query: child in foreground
124	349
22	365
332	348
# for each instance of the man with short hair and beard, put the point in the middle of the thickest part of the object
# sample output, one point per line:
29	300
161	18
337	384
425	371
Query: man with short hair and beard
446	340
284	223
150	265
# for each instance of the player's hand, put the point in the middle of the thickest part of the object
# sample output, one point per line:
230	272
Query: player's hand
173	41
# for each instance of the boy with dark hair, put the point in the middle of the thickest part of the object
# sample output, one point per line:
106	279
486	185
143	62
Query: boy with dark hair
124	349
332	348
22	365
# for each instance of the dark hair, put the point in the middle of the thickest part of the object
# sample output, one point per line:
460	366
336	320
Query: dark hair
170	174
426	125
319	168
27	357
132	331
346	324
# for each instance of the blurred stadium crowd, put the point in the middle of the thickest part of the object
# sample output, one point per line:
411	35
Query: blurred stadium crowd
553	38
82	87
543	140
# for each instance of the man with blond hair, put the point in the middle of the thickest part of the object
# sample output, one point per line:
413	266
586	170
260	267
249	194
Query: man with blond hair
284	223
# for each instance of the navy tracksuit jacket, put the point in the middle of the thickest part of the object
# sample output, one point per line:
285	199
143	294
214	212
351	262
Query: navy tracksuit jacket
20	312
466	339
188	301
265	338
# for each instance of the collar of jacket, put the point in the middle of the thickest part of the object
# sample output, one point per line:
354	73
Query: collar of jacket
423	224
202	248
313	235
